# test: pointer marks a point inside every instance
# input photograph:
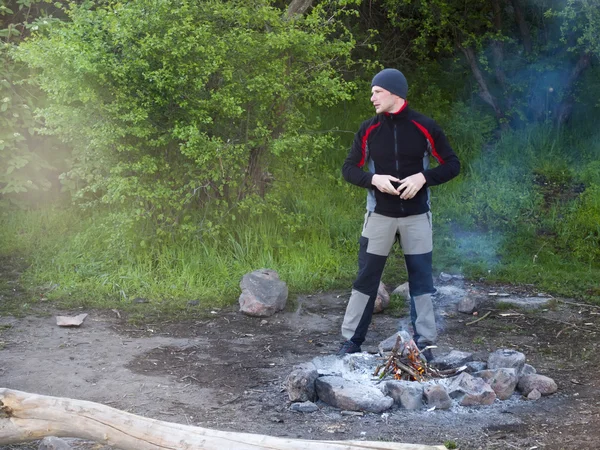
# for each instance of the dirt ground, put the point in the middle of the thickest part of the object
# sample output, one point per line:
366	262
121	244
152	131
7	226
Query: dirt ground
226	371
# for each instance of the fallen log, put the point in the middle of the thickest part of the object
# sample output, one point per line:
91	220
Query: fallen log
29	417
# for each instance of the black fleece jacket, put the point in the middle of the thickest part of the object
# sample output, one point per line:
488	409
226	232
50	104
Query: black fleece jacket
400	145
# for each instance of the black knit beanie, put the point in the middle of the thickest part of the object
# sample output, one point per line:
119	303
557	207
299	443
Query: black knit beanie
391	80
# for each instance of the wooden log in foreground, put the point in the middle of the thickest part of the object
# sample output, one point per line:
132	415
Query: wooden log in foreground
28	417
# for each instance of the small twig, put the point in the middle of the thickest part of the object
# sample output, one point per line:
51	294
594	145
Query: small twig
579	304
481	318
566	328
595	329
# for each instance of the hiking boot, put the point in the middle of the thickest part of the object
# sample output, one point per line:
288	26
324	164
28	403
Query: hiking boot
348	347
426	352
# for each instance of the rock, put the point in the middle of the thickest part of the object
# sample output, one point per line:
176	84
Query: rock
475	366
407	394
437	396
444	277
452	360
471	391
510	359
403	291
467	305
300	383
534	395
528	370
53	443
304	407
503	381
525	302
263	293
388	344
352	396
545	385
383	299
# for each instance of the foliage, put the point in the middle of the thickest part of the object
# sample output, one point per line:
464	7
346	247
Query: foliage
25	159
177	106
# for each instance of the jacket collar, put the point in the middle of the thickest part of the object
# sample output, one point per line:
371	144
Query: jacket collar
401	113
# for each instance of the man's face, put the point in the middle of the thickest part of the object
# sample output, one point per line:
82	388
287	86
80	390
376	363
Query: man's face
383	100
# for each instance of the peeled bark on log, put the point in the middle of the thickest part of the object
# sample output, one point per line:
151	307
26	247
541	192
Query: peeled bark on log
29	417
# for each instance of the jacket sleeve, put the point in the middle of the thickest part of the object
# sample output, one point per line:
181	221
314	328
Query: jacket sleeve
352	170
449	164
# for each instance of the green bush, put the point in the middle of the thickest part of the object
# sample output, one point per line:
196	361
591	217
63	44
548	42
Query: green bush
178	106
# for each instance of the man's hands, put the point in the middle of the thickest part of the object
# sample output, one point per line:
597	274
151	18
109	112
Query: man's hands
408	188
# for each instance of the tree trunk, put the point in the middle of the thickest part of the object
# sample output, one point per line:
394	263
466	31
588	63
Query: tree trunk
484	91
565	107
298	7
498	46
523	27
29	417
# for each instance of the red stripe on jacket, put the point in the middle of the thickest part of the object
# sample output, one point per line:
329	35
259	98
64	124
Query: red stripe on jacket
430	139
364	143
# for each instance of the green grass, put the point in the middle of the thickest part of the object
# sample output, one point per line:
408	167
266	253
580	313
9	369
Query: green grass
495	223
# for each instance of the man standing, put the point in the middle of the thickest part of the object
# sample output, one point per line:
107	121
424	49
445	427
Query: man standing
395	145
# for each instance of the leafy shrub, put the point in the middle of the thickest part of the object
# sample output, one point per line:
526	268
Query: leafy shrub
179	106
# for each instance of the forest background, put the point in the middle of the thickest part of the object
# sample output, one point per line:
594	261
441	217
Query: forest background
161	149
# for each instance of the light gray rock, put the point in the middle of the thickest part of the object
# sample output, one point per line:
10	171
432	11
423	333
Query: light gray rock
452	360
528	370
402	291
511	359
475	366
263	293
471	391
437	396
545	385
304	407
352	396
407	394
300	383
467	305
534	395
444	277
388	344
503	381
383	299
525	302
53	443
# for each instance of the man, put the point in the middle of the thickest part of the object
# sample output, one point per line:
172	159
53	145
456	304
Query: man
395	145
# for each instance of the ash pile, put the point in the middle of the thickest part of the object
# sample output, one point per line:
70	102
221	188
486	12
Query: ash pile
400	376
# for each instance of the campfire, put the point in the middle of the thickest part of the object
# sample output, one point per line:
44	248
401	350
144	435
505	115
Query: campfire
407	363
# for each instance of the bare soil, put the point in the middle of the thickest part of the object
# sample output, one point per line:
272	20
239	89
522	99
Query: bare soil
227	371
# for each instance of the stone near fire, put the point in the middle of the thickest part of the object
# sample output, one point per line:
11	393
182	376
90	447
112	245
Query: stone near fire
534	395
471	391
304	407
475	366
528	370
503	381
467	305
388	344
545	385
510	359
300	383
437	396
263	293
352	396
452	360
383	299
407	394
